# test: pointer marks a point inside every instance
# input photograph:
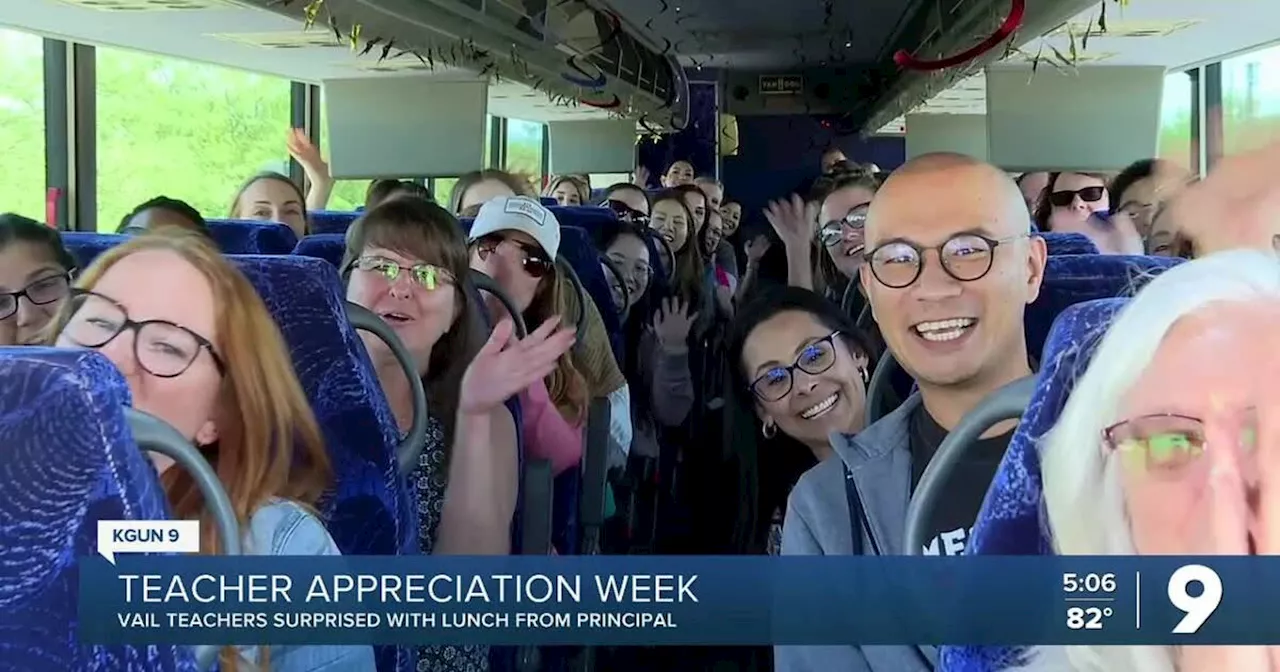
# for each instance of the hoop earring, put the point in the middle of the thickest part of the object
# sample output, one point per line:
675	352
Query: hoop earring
769	430
862	373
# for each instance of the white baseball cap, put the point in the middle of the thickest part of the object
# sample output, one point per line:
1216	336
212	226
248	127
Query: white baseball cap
519	213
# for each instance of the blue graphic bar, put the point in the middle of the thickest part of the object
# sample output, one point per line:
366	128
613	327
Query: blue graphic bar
633	600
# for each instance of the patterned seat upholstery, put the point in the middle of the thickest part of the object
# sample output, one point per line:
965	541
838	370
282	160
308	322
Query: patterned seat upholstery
327	246
1059	244
86	246
1073	279
250	237
1010	523
370	509
331	221
69	462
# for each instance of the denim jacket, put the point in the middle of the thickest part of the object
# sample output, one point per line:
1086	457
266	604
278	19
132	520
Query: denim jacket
283	527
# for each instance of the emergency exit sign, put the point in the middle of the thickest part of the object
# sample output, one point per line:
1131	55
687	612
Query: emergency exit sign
781	85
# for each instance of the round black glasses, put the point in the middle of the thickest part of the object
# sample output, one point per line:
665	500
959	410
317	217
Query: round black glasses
965	256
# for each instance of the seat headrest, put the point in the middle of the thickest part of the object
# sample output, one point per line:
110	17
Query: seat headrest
327	246
331	221
86	246
1009	522
235	236
577	248
366	515
583	216
1073	279
69	462
1059	244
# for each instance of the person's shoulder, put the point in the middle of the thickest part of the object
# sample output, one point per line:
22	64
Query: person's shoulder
285	527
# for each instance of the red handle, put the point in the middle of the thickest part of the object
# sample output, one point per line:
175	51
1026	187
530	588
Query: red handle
1011	24
52	199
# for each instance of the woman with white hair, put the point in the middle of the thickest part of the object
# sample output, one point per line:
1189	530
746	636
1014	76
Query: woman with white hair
1174	449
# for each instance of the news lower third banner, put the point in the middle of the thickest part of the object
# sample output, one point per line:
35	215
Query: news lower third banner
634	600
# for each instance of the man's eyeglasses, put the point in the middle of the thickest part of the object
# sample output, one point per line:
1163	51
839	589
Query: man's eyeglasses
428	276
1062	199
817	357
42	292
833	231
532	259
162	348
964	256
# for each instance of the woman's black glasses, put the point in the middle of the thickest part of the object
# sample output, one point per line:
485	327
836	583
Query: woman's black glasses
1062	199
816	358
42	292
964	256
162	348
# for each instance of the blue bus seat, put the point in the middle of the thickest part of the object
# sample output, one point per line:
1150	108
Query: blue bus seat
1073	279
548	201
236	236
520	543
1009	522
330	221
577	248
65	407
85	246
370	509
327	246
1059	244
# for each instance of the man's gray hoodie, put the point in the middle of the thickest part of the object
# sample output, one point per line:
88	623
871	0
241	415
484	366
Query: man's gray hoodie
818	522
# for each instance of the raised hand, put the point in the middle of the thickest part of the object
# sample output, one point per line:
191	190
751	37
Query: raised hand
793	219
506	365
1236	206
757	247
306	154
672	323
641	178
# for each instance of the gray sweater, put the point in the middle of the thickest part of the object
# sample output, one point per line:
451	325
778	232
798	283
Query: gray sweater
818	523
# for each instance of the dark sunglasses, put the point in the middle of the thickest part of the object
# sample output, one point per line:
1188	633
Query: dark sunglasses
533	260
626	213
1062	199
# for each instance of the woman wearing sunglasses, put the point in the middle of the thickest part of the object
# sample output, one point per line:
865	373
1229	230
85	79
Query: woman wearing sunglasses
199	350
514	240
1069	199
1080	203
35	276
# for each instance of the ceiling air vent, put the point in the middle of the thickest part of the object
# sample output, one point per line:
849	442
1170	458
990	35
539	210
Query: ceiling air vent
151	5
290	39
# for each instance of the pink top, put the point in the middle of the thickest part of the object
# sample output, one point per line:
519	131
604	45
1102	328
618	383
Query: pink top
547	435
